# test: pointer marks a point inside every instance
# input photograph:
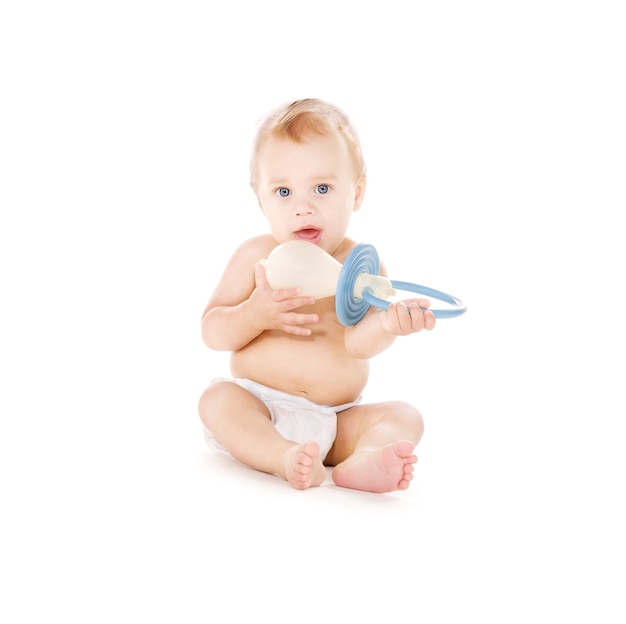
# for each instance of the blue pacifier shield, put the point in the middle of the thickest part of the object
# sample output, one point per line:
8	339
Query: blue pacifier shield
362	259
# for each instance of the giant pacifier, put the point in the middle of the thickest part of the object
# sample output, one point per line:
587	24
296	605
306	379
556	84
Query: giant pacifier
356	284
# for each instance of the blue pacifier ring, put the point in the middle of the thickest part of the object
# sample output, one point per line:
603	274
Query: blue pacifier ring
351	309
459	308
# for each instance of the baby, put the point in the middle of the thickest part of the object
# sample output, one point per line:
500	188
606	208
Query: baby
293	404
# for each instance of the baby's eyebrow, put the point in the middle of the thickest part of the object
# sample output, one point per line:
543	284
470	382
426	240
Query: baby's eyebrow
313	179
275	181
323	178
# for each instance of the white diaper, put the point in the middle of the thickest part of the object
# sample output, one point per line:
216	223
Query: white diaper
294	417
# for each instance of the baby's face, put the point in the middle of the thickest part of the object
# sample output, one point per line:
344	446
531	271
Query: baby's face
308	190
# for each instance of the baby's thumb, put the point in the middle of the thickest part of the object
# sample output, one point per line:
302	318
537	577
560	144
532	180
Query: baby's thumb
260	281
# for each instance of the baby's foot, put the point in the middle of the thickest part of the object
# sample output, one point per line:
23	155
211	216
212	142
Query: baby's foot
303	466
384	470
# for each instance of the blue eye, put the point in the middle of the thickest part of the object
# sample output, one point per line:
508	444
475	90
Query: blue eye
283	191
322	189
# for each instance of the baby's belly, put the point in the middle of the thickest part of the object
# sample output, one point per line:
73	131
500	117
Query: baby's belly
324	374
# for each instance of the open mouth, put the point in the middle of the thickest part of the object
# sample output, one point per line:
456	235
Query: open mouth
312	235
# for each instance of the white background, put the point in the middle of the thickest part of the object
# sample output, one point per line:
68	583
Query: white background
494	135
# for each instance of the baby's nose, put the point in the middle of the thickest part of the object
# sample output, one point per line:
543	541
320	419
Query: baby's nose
304	207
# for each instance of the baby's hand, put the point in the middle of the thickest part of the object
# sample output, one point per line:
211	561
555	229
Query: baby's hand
272	309
408	317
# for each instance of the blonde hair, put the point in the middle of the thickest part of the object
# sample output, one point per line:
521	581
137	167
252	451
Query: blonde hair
301	119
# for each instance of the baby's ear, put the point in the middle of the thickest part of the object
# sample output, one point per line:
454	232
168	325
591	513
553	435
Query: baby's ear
359	193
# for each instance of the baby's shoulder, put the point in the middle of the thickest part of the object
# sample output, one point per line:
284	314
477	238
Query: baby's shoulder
257	247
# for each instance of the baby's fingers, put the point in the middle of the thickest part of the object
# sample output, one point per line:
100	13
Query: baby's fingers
291	298
260	281
399	317
422	303
420	316
294	323
429	320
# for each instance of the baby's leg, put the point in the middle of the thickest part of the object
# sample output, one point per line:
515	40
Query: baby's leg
241	423
374	447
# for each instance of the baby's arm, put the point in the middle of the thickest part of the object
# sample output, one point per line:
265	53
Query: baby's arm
243	305
378	329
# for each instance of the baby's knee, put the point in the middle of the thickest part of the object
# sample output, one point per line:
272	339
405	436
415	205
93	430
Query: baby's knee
204	406
410	418
210	401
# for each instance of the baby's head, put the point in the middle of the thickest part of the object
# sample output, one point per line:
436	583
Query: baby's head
302	120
